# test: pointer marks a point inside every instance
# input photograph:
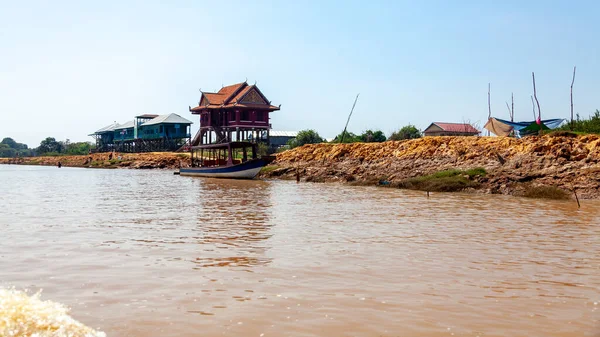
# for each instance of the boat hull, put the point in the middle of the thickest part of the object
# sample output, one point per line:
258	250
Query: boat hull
247	170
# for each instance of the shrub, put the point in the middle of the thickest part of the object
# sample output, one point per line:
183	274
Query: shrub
543	192
444	181
407	132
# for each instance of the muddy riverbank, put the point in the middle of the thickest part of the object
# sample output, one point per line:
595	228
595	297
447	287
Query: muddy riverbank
512	165
151	160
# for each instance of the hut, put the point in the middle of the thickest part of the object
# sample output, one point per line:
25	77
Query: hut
281	138
234	113
450	129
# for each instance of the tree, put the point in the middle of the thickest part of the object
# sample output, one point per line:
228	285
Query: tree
13	144
348	137
78	148
370	136
305	137
7	151
407	132
49	145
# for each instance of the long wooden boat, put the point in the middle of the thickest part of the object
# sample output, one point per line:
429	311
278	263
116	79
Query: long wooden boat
226	160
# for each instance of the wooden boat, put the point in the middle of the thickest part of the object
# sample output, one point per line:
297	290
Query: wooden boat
226	160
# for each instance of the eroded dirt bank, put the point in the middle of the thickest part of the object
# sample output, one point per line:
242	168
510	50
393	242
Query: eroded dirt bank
151	160
561	160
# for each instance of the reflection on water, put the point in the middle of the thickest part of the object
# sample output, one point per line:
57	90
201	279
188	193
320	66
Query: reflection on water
234	218
147	253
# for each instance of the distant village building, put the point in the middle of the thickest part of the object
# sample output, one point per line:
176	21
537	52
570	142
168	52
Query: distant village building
146	133
238	112
450	129
281	138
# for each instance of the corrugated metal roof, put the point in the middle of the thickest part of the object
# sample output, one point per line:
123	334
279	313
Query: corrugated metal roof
273	133
146	116
455	127
170	119
108	128
127	125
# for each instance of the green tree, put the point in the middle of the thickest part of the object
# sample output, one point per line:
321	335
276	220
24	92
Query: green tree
78	148
305	137
370	136
13	144
7	151
348	137
49	145
407	132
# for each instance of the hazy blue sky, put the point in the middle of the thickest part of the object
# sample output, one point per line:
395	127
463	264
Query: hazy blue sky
68	68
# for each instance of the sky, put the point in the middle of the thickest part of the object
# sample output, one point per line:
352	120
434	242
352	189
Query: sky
69	68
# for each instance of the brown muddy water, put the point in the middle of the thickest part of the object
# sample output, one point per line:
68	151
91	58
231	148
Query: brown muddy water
147	253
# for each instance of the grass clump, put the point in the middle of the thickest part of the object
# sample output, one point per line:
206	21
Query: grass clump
543	192
269	168
444	181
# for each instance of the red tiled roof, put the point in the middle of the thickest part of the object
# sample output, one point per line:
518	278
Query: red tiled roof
239	105
230	90
228	97
214	98
457	127
242	93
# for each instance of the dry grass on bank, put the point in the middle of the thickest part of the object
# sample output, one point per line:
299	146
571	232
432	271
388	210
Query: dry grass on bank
543	192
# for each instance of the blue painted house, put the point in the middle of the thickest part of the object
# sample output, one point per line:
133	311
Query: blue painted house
124	132
170	126
145	133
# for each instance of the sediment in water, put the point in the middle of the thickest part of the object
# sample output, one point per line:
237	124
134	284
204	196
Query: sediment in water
562	160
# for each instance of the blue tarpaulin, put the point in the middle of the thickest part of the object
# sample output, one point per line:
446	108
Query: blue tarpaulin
526	128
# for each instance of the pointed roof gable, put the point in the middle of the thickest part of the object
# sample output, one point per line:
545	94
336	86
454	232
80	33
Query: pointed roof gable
234	95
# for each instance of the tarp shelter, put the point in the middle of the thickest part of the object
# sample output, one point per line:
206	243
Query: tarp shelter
503	127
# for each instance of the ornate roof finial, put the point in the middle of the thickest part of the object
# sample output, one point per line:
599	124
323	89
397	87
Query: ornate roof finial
246	80
254	82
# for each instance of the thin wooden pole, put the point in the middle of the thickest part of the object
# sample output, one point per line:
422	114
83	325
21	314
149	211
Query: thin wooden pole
512	110
576	198
348	121
536	100
572	82
489	105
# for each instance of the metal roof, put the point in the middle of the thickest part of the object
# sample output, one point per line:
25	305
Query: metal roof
108	128
127	125
283	133
167	119
146	116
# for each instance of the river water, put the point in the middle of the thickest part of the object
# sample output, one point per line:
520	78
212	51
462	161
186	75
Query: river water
148	253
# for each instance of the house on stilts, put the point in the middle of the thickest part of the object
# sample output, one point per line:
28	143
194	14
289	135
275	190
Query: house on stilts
146	133
238	112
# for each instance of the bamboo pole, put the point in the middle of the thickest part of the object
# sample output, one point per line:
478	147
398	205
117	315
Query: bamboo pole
572	82
512	110
348	121
538	102
489	105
